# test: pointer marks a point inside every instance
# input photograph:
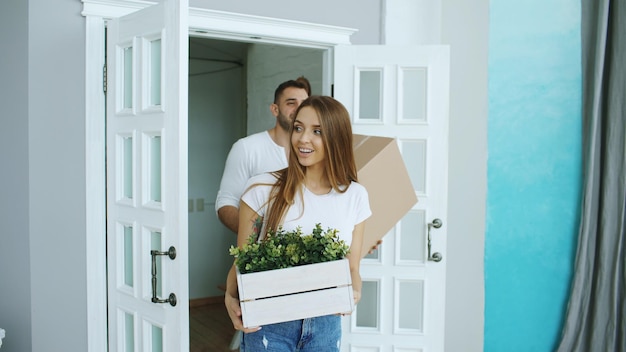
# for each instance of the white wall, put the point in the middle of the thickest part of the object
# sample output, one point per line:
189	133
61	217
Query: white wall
465	27
57	181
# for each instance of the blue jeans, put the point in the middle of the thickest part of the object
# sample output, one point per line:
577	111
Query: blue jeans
321	334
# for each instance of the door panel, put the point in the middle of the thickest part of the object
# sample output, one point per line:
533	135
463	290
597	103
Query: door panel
147	179
402	92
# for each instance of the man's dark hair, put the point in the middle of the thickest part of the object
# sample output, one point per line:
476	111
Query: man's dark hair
300	82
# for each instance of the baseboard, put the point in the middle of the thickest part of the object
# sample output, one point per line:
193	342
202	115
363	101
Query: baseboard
199	302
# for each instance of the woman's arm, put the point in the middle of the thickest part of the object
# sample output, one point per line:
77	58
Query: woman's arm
248	225
354	258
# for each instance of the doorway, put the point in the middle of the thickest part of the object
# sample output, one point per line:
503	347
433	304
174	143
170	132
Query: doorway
231	85
207	24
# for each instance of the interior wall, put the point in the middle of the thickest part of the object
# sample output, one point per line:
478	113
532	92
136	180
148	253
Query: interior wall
15	260
272	65
465	27
56	176
217	115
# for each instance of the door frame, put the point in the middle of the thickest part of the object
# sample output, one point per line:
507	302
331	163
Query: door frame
202	23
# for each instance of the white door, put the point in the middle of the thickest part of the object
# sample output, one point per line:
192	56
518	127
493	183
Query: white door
147	179
402	92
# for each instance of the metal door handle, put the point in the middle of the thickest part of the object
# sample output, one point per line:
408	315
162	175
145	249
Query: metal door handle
172	298
435	257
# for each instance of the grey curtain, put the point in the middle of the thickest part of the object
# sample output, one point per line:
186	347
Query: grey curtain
596	314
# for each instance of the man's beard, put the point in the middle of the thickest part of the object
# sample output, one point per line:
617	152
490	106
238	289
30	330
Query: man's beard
284	122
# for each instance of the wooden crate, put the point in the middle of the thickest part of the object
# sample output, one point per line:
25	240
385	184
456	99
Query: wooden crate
299	292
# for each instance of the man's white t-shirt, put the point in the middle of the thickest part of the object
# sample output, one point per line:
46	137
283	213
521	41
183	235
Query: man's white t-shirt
341	211
249	156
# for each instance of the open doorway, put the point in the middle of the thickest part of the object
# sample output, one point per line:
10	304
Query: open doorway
231	85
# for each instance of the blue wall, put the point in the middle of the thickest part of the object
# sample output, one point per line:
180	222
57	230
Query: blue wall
534	171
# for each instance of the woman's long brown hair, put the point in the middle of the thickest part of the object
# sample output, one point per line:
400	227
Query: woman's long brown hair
339	164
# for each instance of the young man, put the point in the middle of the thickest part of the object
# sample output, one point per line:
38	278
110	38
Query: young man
259	153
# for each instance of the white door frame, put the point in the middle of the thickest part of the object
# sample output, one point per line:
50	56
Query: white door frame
202	23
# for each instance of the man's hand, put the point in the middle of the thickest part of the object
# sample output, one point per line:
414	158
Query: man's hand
375	247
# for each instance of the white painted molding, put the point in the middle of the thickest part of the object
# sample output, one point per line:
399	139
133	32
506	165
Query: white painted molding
112	8
95	209
229	25
265	29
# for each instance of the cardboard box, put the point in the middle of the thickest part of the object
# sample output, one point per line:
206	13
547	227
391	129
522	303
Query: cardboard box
382	171
299	292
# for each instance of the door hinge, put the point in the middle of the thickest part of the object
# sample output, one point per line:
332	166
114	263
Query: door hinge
104	79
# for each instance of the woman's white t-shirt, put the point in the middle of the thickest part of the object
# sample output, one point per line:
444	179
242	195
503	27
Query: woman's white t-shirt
341	211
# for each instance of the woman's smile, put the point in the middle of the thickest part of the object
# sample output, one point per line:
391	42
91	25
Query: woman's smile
304	152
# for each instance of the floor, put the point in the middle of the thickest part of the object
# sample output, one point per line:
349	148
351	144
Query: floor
210	328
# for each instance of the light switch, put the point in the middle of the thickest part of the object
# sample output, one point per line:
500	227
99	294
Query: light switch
200	204
191	205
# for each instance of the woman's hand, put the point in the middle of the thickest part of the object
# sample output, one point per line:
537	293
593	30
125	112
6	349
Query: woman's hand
231	297
357	296
234	312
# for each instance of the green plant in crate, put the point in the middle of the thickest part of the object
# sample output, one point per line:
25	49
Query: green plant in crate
283	249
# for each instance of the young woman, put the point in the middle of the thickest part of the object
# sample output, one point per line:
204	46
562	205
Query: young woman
318	186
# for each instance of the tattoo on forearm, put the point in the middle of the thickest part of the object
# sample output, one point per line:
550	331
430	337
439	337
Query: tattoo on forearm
257	225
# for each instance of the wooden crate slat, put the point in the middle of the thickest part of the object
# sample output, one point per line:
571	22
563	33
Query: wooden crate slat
297	306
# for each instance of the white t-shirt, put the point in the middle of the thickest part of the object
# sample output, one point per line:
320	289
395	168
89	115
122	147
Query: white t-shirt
249	156
341	211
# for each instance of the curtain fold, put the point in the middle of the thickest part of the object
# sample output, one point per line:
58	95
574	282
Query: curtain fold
596	313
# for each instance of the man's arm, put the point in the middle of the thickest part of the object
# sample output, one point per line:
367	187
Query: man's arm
233	181
229	216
